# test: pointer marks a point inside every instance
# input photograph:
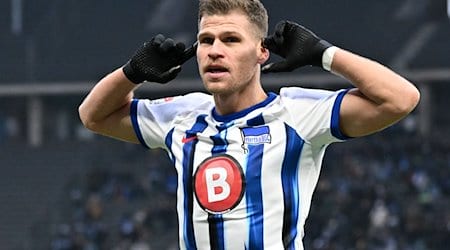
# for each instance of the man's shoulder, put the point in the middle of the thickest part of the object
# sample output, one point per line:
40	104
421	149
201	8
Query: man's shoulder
168	109
194	101
181	104
194	98
300	93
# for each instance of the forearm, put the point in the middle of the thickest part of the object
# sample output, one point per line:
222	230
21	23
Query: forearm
376	82
381	97
109	95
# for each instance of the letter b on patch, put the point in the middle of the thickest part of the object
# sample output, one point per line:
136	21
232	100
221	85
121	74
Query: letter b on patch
219	184
216	184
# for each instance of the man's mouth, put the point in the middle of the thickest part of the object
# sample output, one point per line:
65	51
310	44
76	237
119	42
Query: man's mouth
216	69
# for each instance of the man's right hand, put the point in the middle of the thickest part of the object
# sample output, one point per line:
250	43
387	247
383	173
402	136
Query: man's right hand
158	60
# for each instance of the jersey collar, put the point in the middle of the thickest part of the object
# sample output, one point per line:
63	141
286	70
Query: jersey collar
227	118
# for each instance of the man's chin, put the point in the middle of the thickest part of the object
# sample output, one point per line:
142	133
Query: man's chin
214	85
217	87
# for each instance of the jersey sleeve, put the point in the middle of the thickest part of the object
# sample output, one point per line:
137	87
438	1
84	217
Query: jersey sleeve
315	113
153	119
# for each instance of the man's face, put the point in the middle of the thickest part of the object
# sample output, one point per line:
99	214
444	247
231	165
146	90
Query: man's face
229	53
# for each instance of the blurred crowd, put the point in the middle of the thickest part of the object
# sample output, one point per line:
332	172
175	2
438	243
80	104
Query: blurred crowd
127	209
387	191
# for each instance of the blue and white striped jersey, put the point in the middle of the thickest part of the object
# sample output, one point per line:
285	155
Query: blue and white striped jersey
245	180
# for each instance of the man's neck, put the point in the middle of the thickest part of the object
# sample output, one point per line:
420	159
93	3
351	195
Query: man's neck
228	104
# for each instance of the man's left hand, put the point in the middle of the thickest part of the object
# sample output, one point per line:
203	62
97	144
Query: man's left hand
297	45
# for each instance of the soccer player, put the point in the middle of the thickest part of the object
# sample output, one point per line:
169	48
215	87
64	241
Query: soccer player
247	160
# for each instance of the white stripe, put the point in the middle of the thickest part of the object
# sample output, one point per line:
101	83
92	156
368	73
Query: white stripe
272	189
310	165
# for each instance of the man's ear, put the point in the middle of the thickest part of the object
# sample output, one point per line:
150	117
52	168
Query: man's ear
263	55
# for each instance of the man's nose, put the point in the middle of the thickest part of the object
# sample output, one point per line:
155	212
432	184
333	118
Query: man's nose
216	50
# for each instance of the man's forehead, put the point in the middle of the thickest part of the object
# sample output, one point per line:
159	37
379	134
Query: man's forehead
234	22
234	17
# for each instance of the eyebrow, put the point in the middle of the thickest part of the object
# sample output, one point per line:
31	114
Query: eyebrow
226	33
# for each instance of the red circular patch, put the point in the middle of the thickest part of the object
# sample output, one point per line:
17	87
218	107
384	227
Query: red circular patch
219	184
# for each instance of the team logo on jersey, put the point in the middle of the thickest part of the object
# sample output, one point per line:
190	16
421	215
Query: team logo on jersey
255	136
219	184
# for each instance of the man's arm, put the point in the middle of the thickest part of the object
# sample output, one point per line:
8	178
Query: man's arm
380	99
106	109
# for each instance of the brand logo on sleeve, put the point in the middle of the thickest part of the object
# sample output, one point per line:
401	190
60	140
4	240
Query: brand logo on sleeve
163	100
219	184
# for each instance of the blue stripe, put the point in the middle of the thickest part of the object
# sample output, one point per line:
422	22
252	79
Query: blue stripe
335	117
187	173
134	121
289	178
168	142
256	121
220	143
254	197
254	190
216	233
215	221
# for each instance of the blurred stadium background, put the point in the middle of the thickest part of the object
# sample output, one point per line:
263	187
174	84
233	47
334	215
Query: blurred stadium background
62	187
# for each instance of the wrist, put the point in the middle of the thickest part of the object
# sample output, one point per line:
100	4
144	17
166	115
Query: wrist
318	50
327	57
131	74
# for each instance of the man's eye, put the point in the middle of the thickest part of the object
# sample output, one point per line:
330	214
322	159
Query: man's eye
207	40
231	39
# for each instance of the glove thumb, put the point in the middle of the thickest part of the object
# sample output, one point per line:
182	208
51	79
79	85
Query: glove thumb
170	74
189	53
282	66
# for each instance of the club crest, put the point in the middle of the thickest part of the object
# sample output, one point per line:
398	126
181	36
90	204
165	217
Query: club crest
255	136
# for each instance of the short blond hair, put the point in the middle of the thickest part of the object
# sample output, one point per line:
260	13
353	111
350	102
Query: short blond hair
254	9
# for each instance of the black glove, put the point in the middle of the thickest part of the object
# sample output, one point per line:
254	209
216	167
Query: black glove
158	60
297	45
